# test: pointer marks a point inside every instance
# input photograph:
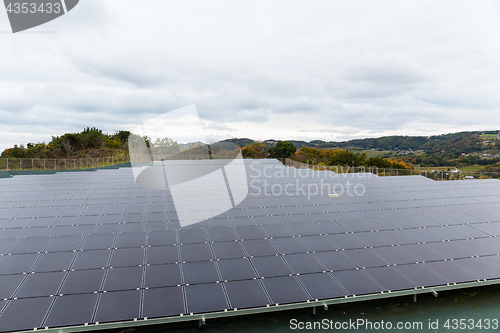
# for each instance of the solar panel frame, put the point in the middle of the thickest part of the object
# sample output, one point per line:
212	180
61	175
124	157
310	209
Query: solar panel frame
271	252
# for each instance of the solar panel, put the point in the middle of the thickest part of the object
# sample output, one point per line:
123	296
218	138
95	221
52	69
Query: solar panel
82	248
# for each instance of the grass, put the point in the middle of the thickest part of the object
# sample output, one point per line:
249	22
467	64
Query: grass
489	136
466	168
373	153
472	168
440	168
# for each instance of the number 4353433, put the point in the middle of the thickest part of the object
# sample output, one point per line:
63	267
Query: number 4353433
471	324
33	8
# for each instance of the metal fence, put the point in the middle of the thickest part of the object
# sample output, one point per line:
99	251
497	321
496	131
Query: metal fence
8	164
432	174
145	158
14	164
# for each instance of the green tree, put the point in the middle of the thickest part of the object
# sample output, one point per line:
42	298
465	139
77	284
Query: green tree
378	162
344	157
255	150
282	149
122	135
314	155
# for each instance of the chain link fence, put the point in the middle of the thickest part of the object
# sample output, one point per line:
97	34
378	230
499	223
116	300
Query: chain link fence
432	174
14	164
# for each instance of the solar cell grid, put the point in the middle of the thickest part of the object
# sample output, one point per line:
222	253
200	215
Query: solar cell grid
356	282
259	247
155	305
372	239
227	250
285	289
129	301
91	259
346	241
289	245
236	269
451	272
71	310
57	261
9	285
207	297
80	234
389	278
303	263
421	275
83	281
24	313
246	294
475	266
318	243
270	266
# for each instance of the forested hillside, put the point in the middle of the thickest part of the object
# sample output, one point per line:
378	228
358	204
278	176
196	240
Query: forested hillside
91	142
448	145
464	148
456	149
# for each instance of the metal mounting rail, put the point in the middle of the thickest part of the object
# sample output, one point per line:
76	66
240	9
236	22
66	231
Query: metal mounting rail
202	317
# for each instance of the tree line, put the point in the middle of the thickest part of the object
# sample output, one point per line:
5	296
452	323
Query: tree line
446	145
91	142
343	157
442	150
316	156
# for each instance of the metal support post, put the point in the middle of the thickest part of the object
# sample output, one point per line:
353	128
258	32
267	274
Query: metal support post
201	323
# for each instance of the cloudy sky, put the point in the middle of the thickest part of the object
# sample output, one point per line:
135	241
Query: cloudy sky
329	70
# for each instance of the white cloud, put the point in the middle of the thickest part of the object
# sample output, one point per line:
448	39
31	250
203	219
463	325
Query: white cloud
282	69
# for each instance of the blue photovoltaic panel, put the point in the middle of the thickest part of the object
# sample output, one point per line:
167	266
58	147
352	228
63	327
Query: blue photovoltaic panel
74	245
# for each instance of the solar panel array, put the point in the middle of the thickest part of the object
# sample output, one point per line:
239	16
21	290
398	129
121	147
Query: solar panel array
93	247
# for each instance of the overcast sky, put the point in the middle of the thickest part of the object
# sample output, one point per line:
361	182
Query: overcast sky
329	70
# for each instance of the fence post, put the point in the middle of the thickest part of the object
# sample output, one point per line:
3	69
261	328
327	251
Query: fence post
7	163
32	164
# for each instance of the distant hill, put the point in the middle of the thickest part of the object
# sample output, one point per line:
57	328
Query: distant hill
466	148
446	145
